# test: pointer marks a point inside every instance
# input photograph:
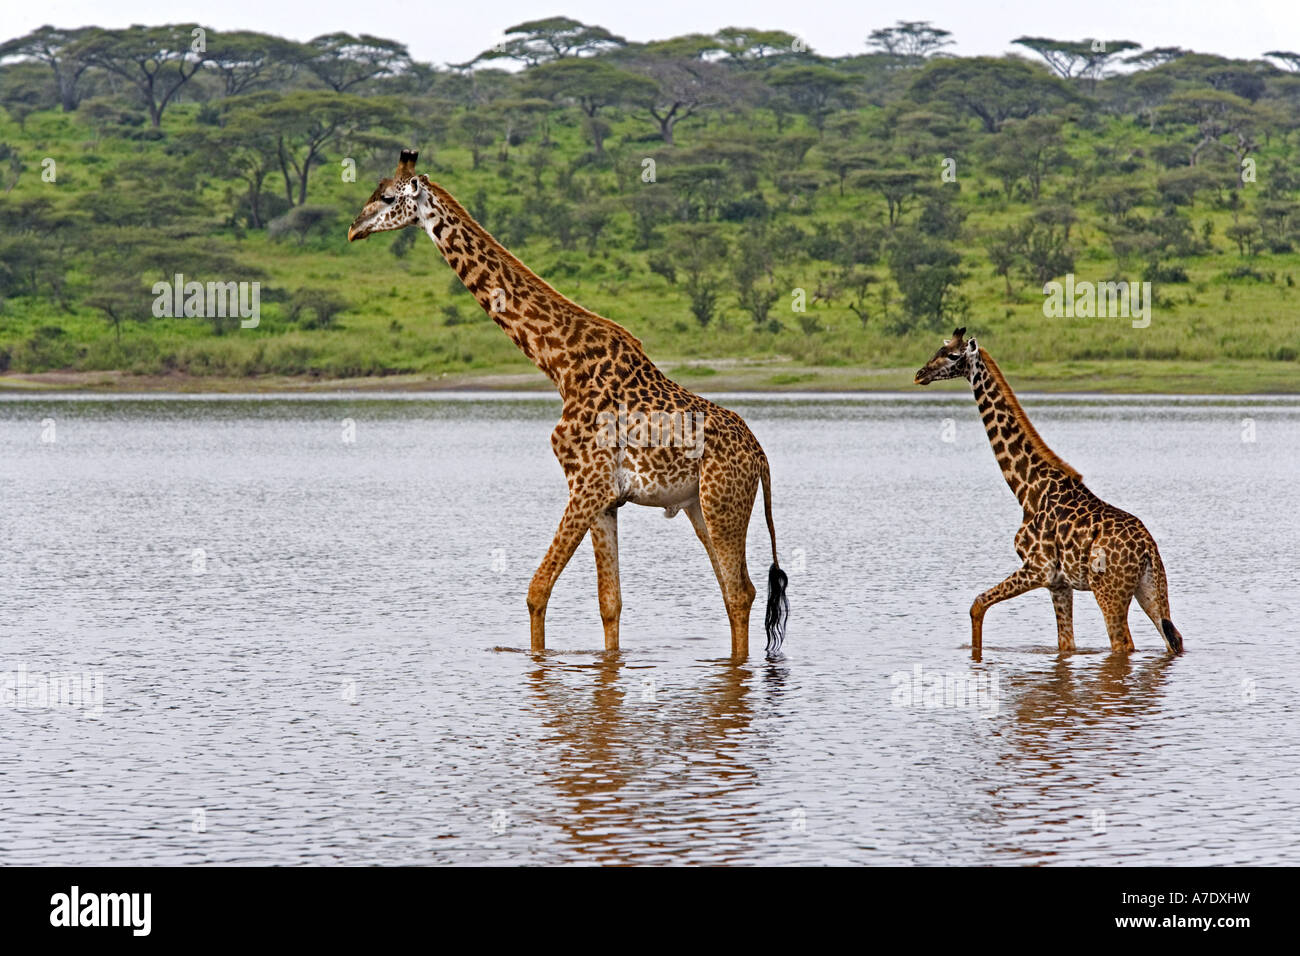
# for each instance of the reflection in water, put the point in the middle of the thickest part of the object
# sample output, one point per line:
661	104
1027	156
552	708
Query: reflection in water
631	761
1060	715
1071	699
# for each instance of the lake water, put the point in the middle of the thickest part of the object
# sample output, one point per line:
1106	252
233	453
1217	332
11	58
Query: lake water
300	648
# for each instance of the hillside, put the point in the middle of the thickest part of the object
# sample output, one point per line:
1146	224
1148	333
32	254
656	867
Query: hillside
893	197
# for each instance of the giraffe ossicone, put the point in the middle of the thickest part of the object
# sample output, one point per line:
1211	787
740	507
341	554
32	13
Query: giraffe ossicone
600	369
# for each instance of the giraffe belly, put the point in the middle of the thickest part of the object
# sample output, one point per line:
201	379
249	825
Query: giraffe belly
658	481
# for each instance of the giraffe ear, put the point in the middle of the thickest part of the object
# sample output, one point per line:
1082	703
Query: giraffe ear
972	347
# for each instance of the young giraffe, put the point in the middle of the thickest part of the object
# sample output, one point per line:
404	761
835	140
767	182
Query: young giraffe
625	433
1070	540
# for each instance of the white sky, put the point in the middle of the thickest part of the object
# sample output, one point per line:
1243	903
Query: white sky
451	32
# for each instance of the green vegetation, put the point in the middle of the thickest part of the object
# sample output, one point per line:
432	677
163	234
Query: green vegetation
760	216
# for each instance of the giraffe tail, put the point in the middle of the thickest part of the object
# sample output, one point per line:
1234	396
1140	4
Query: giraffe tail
1157	594
1172	637
778	607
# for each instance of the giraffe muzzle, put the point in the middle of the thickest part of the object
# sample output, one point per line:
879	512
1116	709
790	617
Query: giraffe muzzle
364	224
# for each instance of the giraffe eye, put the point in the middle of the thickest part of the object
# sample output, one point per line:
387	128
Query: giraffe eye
954	355
388	199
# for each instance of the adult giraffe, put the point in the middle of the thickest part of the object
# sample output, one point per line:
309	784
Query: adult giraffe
627	432
1070	540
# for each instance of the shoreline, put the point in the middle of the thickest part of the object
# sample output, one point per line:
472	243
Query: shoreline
1116	377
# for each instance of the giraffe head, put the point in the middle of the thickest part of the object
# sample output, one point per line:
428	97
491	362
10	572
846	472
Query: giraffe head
395	202
955	359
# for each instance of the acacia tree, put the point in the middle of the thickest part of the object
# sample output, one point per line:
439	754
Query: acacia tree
1005	249
920	134
695	251
1215	114
897	186
246	59
814	90
480	130
928	274
120	297
1151	88
1290	61
684	86
1046	253
748	48
1118	197
310	122
57	49
157	61
1028	149
246	143
38	240
1077	58
592	86
24	88
845	159
911	40
325	305
752	268
994	90
516	117
550	39
342	61
1156	56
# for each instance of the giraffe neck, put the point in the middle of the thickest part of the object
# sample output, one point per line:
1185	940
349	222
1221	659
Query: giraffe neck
572	346
1026	461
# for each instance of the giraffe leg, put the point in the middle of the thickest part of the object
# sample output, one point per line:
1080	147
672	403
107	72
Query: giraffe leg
604	539
581	511
1063	604
737	591
694	512
1113	578
726	501
1018	583
1114	609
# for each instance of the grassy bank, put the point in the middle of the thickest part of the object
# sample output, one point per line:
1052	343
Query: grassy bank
1119	377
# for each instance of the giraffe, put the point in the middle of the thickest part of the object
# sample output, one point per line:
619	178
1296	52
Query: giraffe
627	433
1070	540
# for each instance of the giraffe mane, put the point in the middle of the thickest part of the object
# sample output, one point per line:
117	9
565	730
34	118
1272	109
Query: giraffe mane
1050	457
452	204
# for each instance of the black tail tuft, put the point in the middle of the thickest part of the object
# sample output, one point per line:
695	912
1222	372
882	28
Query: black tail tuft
778	608
1172	637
